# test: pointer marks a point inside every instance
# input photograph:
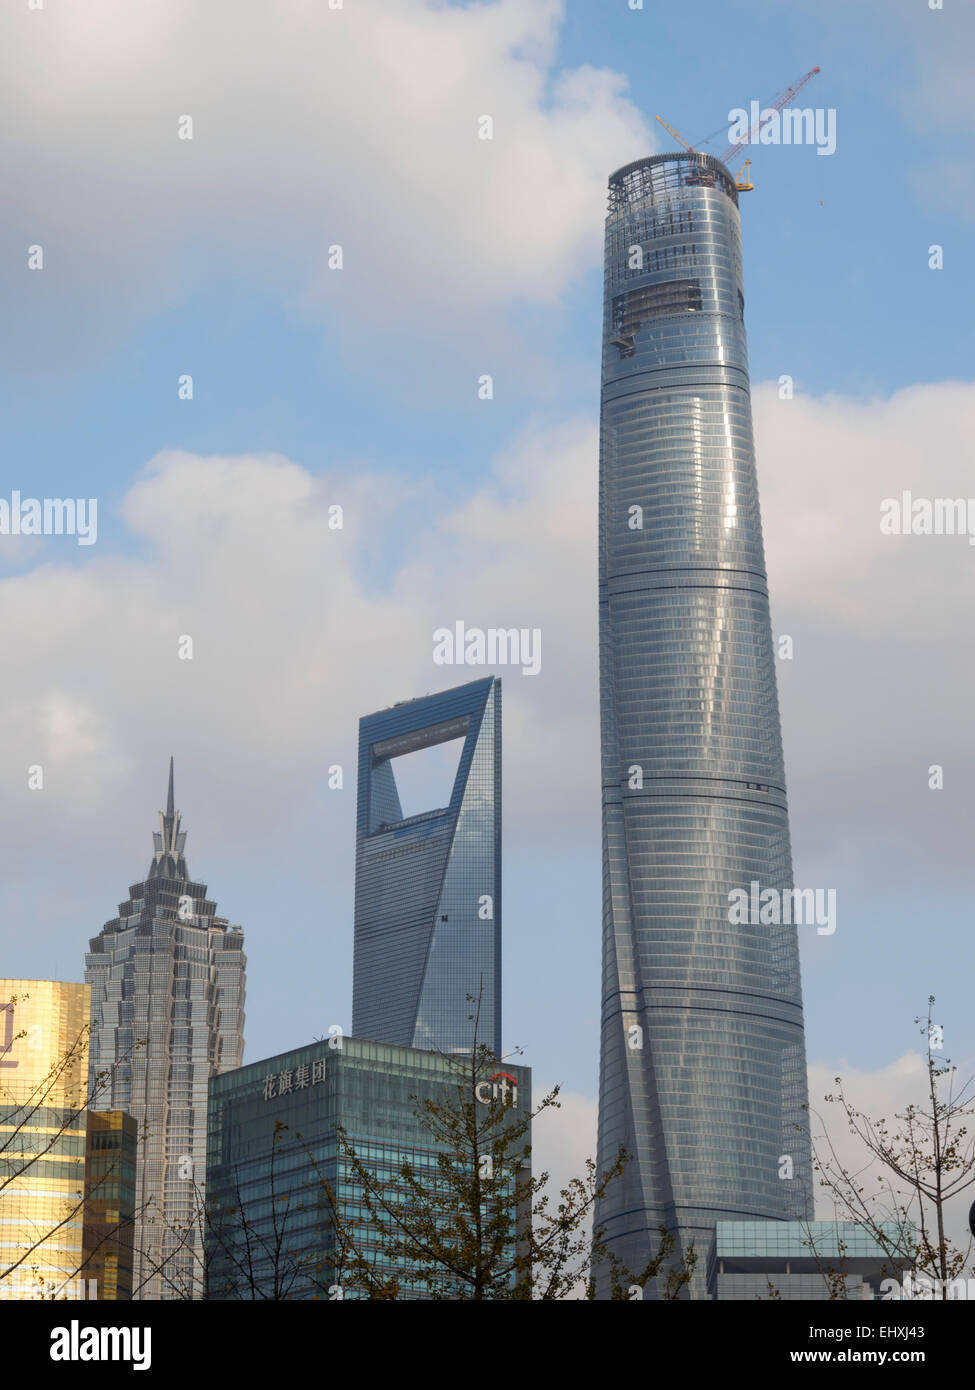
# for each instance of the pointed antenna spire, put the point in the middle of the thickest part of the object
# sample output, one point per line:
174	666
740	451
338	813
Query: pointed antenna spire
168	841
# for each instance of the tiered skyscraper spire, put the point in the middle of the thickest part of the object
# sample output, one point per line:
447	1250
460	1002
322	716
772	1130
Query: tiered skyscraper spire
168	860
167	1000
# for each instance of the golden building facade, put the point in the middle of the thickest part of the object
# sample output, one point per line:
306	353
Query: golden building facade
44	1026
110	1155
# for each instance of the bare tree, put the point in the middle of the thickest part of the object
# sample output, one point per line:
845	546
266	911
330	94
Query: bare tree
467	1219
913	1167
238	1254
463	1217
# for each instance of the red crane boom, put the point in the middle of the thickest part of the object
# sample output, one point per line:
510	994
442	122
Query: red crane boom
767	114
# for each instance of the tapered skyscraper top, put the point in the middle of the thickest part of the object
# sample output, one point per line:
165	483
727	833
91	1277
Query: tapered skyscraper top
703	1063
428	886
168	842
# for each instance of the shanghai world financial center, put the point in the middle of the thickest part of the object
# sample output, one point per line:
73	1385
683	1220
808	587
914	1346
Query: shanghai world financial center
428	886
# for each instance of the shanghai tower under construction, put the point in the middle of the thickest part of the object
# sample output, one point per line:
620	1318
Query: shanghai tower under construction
702	1076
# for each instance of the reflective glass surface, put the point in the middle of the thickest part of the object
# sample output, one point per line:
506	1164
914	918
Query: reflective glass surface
43	1086
167	1010
428	887
703	1061
273	1144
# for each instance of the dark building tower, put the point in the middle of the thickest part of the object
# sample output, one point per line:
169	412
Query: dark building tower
167	1008
428	886
703	1059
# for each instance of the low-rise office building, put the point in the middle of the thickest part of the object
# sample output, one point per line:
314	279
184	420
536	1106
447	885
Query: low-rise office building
276	1166
67	1173
804	1260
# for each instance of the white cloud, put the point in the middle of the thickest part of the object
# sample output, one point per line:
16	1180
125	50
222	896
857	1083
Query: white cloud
563	1138
299	630
295	635
312	127
878	689
879	1094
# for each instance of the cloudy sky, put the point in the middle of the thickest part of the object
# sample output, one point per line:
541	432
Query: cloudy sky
315	128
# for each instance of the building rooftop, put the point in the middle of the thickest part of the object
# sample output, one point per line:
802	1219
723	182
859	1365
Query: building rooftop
759	1240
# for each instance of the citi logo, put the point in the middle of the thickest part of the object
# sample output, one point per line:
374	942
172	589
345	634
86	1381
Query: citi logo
498	1087
76	1343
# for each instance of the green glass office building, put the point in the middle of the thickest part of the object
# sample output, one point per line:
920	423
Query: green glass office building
808	1260
273	1150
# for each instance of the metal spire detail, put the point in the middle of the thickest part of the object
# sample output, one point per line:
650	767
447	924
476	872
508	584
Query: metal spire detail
168	842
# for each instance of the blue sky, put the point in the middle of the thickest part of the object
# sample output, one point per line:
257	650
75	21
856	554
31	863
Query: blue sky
208	257
839	292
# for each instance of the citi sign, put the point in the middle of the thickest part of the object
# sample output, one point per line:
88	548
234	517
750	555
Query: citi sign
498	1087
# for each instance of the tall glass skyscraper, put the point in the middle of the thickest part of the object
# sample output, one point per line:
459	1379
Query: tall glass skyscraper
167	1013
703	1060
428	886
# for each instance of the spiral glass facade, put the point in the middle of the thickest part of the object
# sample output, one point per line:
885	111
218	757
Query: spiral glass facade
703	1060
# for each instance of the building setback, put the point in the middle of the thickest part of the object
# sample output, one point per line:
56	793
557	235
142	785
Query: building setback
167	1010
428	886
703	1060
273	1147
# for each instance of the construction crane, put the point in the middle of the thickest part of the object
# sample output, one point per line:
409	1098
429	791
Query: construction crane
784	99
743	181
677	135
